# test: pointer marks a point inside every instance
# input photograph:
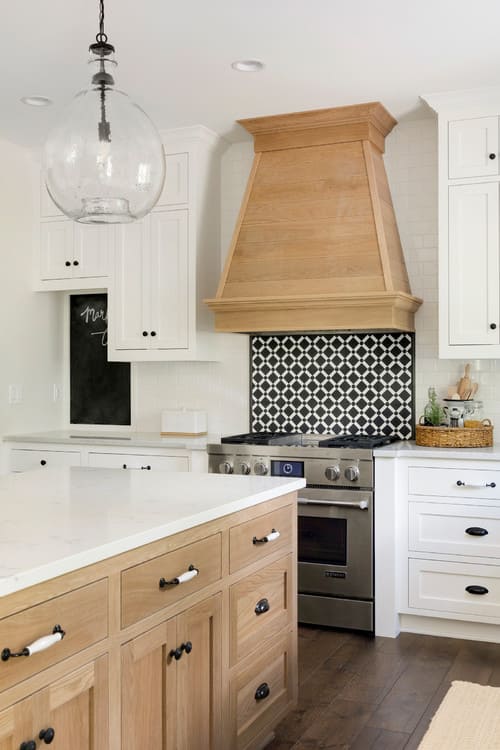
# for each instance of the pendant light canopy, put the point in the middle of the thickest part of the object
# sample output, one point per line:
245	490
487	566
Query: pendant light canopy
104	163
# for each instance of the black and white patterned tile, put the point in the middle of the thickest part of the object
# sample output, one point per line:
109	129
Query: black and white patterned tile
333	383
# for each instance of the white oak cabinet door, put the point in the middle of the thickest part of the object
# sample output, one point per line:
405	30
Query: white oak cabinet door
473	147
473	258
169	280
56	248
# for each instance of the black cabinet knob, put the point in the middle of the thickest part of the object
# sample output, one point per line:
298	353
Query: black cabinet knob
176	654
153	333
187	647
262	691
43	462
493	326
479	590
30	745
262	606
47	735
145	333
491	484
67	263
147	468
76	263
460	483
492	156
476	531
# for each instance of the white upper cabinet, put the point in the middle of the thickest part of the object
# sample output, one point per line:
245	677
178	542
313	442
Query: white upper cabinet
165	265
469	210
473	147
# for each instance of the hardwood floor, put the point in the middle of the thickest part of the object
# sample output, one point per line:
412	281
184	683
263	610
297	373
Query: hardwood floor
361	693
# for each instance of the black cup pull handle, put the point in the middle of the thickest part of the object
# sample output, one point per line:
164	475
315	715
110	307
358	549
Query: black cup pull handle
47	735
478	590
262	606
476	531
262	691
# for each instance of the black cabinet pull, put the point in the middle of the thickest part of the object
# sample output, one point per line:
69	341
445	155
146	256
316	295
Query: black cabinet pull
30	745
187	647
41	644
148	467
493	326
43	462
47	735
492	156
268	538
176	654
479	590
145	333
262	606
124	466
476	531
490	484
460	483
153	333
67	263
262	691
190	573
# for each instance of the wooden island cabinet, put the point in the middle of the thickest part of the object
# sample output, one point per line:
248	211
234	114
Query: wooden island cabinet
184	643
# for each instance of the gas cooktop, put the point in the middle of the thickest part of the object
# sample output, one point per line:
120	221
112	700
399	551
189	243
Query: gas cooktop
320	441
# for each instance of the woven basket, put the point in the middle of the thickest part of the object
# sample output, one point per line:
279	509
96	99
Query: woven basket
455	437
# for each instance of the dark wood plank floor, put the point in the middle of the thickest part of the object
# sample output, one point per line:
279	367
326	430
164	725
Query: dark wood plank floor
361	693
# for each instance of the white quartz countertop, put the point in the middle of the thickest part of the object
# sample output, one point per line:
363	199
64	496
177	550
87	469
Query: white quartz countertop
58	520
408	449
123	439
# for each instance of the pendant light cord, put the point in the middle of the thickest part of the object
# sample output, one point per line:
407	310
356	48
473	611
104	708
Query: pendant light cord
101	36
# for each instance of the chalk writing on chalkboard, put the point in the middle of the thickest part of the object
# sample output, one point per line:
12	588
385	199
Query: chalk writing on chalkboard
99	390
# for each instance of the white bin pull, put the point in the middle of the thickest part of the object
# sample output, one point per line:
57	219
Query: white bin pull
190	573
268	538
41	644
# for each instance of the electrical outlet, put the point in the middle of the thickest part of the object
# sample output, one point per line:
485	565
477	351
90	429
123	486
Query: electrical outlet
15	394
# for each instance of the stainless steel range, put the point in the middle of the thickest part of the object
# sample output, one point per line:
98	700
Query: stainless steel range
335	537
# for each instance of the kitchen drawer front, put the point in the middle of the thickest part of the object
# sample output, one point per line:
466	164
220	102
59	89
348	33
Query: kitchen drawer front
243	550
142	594
441	586
444	482
260	607
82	614
261	691
25	459
138	462
454	529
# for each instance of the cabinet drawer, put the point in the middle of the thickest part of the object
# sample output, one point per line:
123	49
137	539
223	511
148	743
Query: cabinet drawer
444	482
441	586
24	459
142	594
82	614
454	529
242	548
138	462
259	693
260	607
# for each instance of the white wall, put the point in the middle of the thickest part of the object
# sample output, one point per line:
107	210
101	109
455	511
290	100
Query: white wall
31	323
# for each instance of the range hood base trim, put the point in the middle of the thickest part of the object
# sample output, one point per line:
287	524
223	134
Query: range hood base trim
373	311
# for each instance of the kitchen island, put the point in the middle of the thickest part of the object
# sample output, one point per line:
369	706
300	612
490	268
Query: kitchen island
167	603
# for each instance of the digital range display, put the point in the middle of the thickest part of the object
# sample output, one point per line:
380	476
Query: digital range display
287	468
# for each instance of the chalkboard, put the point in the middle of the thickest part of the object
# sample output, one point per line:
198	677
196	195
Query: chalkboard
99	390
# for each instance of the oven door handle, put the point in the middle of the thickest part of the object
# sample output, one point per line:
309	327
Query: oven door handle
361	505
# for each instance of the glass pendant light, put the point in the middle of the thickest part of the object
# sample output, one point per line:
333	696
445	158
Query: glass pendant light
104	163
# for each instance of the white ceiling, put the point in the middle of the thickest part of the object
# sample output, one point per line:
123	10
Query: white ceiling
175	57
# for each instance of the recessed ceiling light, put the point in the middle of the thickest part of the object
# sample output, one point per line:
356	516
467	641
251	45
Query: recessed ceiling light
36	101
248	66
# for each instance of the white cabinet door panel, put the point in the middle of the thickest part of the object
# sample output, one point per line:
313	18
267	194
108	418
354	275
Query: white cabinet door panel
474	284
56	248
454	529
92	250
169	277
25	459
139	462
175	189
130	315
473	147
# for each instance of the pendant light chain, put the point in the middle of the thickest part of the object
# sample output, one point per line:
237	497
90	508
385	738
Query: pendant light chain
101	36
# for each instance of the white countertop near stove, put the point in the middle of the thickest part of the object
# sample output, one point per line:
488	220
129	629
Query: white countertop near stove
124	439
408	449
62	519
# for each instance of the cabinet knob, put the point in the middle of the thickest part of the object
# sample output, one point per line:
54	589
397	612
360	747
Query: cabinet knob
76	263
43	462
145	333
493	326
67	263
492	156
262	691
262	606
31	745
153	333
47	735
176	654
187	647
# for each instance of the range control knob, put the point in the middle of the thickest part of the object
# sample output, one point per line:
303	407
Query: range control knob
225	468
352	473
244	468
260	468
332	473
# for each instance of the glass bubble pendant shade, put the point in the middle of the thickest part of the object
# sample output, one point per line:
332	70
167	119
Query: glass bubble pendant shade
104	163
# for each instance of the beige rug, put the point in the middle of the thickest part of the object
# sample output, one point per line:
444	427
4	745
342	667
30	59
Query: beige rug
467	719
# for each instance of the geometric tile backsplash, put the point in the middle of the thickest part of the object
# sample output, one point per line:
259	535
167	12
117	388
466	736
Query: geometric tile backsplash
333	383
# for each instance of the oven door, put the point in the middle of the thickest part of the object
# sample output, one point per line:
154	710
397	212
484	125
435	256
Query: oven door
335	544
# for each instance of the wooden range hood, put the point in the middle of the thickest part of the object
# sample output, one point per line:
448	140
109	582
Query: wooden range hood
316	246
